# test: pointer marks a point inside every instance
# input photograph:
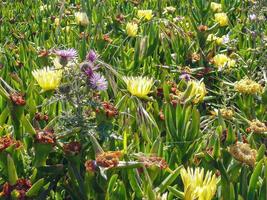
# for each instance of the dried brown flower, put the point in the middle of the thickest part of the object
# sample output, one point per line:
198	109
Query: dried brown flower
243	153
195	57
108	159
107	38
45	137
109	109
17	98
150	161
202	28
22	186
90	165
72	147
7	141
257	127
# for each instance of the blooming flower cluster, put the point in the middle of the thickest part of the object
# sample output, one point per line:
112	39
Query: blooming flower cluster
198	91
138	86
222	61
248	86
197	185
95	79
48	78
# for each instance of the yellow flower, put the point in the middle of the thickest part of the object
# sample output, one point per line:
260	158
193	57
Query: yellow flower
211	37
47	78
198	91
196	186
81	18
248	86
220	61
131	29
57	21
138	86
222	19
219	41
146	14
227	113
216	7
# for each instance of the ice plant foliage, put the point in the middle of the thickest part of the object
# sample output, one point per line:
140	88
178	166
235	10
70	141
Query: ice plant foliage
138	86
48	78
144	100
198	185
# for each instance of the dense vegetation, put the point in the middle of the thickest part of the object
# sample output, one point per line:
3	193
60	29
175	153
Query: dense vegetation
133	99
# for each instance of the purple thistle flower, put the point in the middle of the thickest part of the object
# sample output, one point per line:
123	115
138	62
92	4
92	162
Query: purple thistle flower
89	72
185	76
88	68
252	17
91	56
98	82
66	55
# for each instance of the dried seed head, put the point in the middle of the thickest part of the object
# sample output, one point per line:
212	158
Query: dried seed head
90	165
17	99
202	28
109	109
7	141
257	127
45	137
243	153
227	113
108	159
151	161
21	187
72	147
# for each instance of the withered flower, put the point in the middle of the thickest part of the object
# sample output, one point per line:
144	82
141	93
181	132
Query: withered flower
39	116
109	109
195	57
43	53
151	161
83	35
7	141
202	28
160	92
45	137
257	127
107	38
243	153
161	115
17	98
72	147
108	159
21	187
224	135
227	113
120	18
90	165
209	150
